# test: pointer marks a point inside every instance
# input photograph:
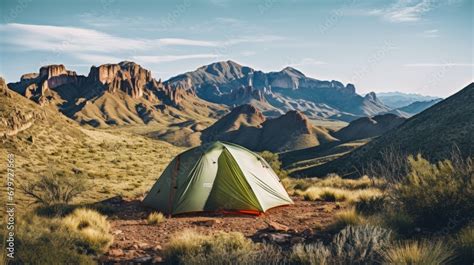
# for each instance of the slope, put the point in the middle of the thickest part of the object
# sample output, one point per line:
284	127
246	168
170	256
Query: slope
433	132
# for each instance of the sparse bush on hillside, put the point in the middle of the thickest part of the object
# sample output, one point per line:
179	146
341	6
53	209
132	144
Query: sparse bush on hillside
155	218
275	163
422	253
360	244
435	195
91	227
55	189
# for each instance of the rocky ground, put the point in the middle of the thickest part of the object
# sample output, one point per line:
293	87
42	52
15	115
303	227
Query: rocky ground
135	241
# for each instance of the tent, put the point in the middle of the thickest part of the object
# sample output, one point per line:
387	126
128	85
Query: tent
217	177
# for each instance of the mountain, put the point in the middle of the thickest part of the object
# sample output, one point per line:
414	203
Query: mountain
433	132
367	127
245	125
276	93
398	99
113	94
414	108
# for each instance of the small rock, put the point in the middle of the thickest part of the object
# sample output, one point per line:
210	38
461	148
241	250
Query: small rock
143	259
277	227
209	223
157	259
143	245
296	240
279	238
135	246
117	232
157	248
116	252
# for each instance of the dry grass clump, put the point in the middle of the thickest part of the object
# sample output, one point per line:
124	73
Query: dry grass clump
363	182
92	227
419	252
41	240
338	194
310	254
464	244
155	218
342	219
190	247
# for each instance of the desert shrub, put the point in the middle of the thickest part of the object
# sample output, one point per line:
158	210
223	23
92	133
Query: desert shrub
360	245
369	205
464	244
348	217
55	188
91	228
155	218
422	253
435	194
274	161
190	247
267	254
363	182
311	254
398	221
44	241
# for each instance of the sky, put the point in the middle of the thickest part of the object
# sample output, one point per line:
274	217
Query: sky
412	46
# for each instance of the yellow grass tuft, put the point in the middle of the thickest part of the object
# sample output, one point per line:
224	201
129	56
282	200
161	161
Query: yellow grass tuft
155	218
90	226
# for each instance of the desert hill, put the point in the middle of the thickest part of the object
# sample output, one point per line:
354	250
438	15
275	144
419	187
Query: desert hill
433	132
277	92
113	94
245	125
414	108
44	141
367	127
397	100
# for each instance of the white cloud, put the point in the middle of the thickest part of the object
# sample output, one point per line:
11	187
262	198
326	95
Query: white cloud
97	59
73	39
404	10
172	58
439	64
432	33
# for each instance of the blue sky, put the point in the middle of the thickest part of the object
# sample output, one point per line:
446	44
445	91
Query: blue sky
418	46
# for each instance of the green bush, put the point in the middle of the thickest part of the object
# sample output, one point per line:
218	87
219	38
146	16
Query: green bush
360	244
434	195
275	163
419	253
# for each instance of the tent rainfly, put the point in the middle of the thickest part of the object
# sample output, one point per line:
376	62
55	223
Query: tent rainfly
217	177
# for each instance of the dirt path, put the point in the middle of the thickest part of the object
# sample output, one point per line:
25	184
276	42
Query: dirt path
137	242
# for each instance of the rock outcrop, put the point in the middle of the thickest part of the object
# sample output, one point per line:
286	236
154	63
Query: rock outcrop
127	77
111	94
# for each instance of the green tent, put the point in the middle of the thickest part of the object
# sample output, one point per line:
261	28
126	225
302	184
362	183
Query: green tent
217	177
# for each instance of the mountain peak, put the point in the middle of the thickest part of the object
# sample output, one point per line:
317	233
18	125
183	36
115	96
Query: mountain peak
371	96
292	71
